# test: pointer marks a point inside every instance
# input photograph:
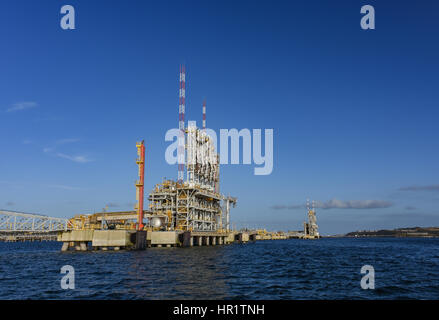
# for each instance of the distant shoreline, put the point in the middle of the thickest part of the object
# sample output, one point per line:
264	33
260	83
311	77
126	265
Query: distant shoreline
414	232
378	236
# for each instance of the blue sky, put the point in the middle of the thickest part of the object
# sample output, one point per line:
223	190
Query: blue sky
354	112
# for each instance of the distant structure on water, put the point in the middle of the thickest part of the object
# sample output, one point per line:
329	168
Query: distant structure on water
310	228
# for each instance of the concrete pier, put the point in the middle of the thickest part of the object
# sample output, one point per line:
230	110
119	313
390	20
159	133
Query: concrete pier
163	238
79	240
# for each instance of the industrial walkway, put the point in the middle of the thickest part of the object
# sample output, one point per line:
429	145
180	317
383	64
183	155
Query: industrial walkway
28	223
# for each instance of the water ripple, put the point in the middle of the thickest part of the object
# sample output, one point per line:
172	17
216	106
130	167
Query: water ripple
284	269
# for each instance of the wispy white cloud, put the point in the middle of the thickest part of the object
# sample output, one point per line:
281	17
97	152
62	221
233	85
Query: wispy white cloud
339	204
27	141
74	158
354	204
19	106
79	158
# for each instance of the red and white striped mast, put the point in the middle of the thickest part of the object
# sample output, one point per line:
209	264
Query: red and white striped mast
182	100
204	114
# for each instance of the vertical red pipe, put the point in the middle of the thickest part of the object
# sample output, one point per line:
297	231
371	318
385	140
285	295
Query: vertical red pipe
141	186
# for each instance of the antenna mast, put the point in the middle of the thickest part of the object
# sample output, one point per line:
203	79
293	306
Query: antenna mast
204	114
181	142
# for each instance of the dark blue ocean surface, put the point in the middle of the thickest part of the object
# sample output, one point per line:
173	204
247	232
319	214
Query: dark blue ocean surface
282	269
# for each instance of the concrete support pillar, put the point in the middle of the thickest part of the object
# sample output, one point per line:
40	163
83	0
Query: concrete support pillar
141	242
104	248
116	248
77	246
159	245
220	240
243	237
168	246
187	240
199	241
65	246
83	246
191	242
207	240
214	241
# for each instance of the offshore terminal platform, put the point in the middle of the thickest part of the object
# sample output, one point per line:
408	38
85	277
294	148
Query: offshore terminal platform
187	212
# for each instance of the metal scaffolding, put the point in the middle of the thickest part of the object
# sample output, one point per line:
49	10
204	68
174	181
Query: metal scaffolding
194	204
186	207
